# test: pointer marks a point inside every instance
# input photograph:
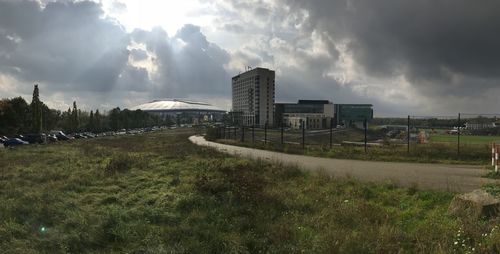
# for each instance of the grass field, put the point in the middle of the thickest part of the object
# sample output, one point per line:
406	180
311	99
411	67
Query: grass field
158	193
419	153
465	139
442	148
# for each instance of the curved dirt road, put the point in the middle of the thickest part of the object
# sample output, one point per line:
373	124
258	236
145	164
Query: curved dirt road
455	178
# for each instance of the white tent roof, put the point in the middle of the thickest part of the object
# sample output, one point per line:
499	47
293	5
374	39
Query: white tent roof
176	104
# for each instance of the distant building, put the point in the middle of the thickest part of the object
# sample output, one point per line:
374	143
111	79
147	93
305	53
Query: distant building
253	97
480	126
315	114
353	114
321	114
183	111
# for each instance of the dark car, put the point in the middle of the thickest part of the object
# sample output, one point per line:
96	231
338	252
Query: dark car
19	136
60	135
51	138
79	136
35	138
89	135
14	142
3	139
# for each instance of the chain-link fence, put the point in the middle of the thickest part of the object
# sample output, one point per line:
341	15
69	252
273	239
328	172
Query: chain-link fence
457	138
465	137
299	138
477	134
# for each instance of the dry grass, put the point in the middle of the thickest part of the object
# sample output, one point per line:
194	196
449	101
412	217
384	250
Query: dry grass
158	193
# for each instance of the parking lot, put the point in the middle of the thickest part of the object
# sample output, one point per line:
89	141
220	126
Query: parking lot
60	136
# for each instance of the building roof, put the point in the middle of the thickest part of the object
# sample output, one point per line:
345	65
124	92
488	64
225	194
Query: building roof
177	105
251	71
314	102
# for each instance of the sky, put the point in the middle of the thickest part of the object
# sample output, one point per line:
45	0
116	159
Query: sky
427	57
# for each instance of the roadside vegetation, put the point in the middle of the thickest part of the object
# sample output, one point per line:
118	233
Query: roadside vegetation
158	193
474	150
422	153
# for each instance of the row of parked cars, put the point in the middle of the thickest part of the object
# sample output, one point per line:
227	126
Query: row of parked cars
55	136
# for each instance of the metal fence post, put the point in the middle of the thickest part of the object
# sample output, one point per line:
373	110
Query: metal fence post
303	134
235	132
282	132
253	133
265	133
365	123
243	133
331	133
408	135
458	136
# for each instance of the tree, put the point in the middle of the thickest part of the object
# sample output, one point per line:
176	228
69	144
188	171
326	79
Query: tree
97	121
114	119
75	122
14	116
91	123
36	111
51	118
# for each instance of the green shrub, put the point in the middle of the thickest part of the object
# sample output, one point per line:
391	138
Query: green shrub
170	196
120	163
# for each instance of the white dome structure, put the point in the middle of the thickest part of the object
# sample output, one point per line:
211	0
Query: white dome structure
184	111
177	105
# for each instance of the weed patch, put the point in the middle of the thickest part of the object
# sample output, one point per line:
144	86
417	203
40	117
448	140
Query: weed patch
158	193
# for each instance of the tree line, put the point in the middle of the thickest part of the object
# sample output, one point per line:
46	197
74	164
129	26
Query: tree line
19	117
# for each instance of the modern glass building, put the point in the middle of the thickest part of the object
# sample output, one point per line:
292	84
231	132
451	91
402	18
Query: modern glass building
353	114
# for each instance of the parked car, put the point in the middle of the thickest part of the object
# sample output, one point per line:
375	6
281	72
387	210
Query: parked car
33	138
60	135
19	136
63	137
51	138
79	136
89	135
14	142
3	139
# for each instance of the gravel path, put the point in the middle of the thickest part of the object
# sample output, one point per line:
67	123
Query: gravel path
455	178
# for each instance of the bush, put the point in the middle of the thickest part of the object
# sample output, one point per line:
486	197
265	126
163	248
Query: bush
241	178
212	133
120	163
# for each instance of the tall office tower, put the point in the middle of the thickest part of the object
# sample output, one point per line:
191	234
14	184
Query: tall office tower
253	97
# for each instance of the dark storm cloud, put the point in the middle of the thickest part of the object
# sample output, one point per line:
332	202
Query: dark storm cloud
134	79
65	45
72	48
187	62
428	41
201	62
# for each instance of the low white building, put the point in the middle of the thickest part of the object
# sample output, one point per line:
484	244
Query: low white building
312	121
480	126
313	114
